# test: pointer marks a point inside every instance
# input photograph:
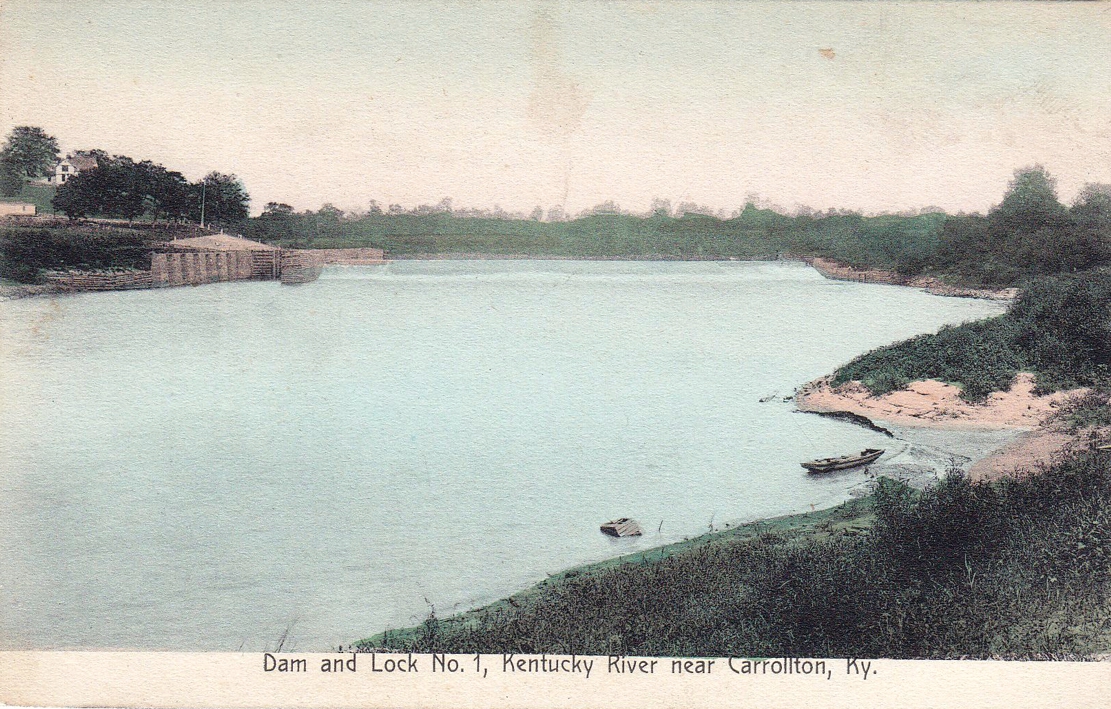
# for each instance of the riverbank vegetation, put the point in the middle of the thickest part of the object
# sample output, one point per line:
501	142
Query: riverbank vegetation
1017	568
27	251
1059	328
752	234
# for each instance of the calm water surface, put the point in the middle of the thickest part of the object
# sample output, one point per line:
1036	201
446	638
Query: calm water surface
205	468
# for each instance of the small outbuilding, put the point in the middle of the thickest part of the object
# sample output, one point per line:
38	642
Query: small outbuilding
17	209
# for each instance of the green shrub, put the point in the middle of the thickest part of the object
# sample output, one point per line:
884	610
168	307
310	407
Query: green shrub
25	253
981	357
1059	327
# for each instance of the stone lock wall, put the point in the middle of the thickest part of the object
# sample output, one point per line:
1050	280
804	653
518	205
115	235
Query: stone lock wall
196	267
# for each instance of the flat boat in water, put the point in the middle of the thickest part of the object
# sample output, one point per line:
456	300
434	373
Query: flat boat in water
623	527
828	465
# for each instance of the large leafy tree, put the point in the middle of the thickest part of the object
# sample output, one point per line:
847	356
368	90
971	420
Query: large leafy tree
223	198
1030	203
121	187
1033	230
78	197
11	178
1092	213
1029	233
166	192
30	150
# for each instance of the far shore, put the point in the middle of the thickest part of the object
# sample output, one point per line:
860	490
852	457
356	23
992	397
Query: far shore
468	256
830	269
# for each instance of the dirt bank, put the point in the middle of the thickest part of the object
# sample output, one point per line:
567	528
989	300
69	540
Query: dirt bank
937	404
1025	454
842	272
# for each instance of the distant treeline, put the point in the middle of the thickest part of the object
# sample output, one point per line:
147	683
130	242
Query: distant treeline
883	241
1030	233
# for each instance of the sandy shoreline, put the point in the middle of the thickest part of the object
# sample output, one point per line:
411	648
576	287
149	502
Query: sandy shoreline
841	272
935	405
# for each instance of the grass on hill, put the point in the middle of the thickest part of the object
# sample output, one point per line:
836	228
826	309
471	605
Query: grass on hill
38	195
1020	568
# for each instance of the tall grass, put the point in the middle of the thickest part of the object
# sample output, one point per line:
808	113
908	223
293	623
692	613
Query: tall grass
965	569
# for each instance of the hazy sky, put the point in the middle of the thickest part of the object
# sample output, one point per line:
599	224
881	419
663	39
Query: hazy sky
872	106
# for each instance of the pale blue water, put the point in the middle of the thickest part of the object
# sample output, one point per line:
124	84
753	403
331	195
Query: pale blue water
202	468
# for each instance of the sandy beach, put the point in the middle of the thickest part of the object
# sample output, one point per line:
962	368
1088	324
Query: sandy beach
937	405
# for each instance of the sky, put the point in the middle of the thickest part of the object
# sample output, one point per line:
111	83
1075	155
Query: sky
877	107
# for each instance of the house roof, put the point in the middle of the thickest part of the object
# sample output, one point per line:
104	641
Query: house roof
81	162
221	242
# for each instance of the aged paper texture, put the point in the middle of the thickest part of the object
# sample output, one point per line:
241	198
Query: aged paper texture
555	354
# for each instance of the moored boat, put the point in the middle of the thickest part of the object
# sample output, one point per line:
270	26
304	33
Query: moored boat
623	527
827	465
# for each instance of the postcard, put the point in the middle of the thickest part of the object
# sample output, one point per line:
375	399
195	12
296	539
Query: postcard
555	354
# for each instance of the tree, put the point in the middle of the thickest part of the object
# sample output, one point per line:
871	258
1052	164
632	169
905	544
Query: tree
11	178
1032	232
1030	204
1092	214
660	208
78	197
276	210
222	199
557	214
121	187
166	192
31	150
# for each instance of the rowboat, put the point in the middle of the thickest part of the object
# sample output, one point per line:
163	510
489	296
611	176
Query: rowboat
623	527
827	465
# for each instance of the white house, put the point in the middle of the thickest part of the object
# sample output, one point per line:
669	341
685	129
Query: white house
71	166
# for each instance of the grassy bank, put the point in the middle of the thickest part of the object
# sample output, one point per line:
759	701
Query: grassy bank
1018	568
850	518
1059	328
38	195
27	251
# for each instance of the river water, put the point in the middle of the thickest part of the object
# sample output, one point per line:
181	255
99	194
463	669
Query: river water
212	468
